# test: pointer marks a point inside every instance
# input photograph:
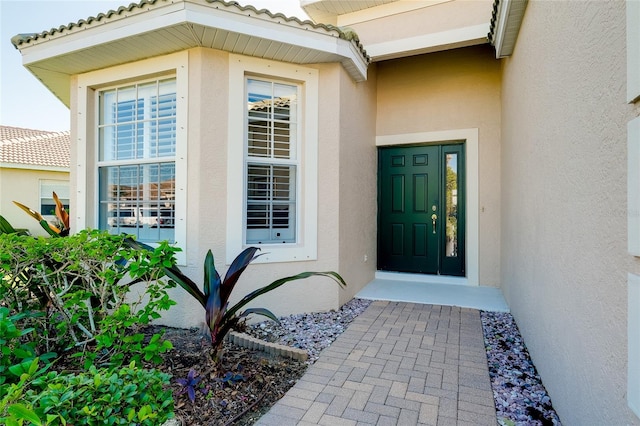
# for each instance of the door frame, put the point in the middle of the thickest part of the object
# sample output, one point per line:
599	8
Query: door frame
472	212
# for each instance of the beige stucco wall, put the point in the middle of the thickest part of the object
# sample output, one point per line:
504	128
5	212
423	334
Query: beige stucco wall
207	175
458	89
207	195
435	18
358	162
23	186
564	225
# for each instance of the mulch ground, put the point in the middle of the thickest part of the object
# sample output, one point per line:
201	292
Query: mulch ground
238	392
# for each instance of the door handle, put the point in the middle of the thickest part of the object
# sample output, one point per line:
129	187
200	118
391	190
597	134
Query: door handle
434	217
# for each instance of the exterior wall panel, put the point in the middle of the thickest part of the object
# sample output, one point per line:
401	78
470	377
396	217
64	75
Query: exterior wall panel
458	89
23	186
564	233
432	19
358	183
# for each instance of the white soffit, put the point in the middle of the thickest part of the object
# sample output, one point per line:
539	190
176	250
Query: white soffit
427	43
506	26
163	27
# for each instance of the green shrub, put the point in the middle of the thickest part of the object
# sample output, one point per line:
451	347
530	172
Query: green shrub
92	292
16	350
129	395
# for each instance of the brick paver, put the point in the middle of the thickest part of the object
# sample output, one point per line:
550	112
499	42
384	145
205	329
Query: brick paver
398	364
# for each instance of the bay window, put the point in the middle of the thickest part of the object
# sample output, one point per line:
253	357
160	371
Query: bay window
271	162
136	159
272	169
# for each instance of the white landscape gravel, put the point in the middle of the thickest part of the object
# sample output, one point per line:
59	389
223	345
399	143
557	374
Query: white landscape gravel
519	395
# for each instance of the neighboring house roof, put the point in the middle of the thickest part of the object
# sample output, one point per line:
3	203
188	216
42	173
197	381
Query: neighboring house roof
159	27
38	148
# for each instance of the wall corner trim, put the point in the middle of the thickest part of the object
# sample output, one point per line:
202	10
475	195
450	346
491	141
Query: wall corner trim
633	343
633	186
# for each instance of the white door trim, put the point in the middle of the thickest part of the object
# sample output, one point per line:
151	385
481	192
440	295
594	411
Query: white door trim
470	137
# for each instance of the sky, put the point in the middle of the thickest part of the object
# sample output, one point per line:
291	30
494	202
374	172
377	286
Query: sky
24	101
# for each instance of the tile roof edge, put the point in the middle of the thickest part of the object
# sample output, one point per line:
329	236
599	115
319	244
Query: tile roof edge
48	135
343	33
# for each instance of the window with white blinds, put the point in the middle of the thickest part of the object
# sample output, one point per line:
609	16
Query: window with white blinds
271	162
136	160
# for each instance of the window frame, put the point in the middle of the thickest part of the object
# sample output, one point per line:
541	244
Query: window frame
273	161
305	246
85	194
59	183
139	163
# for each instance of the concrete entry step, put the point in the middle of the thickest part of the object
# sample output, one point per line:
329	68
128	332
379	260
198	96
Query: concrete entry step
449	291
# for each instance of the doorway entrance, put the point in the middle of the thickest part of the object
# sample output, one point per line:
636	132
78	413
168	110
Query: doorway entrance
421	209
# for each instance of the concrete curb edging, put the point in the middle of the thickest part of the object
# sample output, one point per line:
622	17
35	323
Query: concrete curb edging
250	342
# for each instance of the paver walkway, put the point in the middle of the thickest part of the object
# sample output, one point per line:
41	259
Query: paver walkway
396	364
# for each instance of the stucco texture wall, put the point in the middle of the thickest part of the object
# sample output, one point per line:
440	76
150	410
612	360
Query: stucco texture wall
457	89
23	186
207	195
358	183
564	250
431	19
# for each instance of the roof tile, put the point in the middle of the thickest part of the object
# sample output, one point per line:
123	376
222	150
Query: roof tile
34	147
343	33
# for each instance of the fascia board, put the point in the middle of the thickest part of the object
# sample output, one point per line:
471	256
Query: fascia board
459	37
503	14
268	30
97	34
353	59
34	167
385	10
282	33
197	14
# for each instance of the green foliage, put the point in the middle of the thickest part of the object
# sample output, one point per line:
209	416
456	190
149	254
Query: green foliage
125	396
17	353
85	296
92	292
214	297
62	228
6	228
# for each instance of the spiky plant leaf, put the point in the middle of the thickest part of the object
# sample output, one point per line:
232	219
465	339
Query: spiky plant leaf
61	213
186	283
211	276
51	229
34	214
277	283
5	227
236	269
259	311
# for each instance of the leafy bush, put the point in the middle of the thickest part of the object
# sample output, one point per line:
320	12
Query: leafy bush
129	395
83	287
16	351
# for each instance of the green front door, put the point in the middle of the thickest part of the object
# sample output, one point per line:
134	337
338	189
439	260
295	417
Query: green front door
421	209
